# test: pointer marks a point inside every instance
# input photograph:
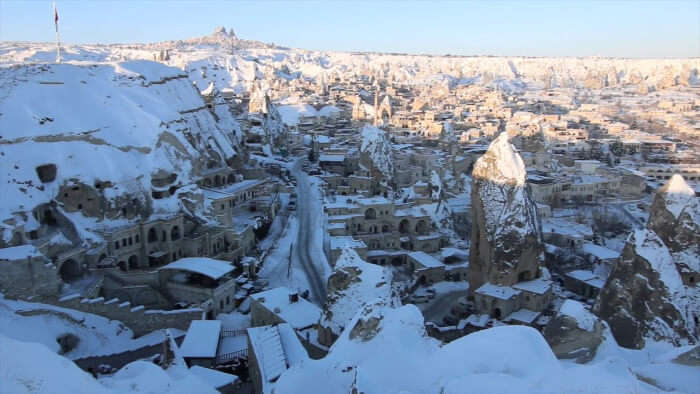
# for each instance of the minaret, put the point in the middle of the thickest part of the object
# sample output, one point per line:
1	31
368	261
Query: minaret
376	102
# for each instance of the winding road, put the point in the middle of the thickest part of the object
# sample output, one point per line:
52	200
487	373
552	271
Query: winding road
304	241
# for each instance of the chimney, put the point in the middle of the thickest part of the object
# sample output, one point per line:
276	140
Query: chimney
293	297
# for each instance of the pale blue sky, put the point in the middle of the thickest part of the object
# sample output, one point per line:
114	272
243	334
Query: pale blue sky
530	28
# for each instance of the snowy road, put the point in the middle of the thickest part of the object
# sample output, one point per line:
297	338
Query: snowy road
307	245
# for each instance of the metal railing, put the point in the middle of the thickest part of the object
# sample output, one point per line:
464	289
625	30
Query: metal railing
226	357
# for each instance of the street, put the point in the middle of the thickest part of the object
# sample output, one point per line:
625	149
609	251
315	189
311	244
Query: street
304	243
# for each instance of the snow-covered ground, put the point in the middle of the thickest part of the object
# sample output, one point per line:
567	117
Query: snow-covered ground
399	358
34	368
98	335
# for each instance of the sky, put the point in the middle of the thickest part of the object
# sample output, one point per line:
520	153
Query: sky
629	28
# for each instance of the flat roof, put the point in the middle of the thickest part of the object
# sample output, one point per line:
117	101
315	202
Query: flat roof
536	286
345	241
496	291
202	339
426	260
211	268
299	314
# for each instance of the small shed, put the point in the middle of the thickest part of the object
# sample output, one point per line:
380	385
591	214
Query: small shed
201	343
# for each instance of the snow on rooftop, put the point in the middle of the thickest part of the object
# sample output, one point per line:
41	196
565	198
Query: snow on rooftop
502	292
523	315
299	314
214	269
291	113
600	252
566	227
426	260
537	286
202	339
19	252
346	241
574	309
276	348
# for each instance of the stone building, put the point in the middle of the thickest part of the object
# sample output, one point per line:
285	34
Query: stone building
383	225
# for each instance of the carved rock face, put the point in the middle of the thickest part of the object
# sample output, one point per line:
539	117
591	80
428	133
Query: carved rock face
505	231
675	218
366	329
569	339
644	296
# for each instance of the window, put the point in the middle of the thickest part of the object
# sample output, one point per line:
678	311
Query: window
131	241
116	244
124	242
137	238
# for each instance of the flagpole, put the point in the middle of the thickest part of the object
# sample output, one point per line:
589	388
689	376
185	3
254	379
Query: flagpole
58	40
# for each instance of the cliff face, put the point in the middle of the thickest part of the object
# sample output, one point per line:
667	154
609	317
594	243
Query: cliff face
675	218
90	137
644	296
375	152
505	231
652	292
574	333
353	284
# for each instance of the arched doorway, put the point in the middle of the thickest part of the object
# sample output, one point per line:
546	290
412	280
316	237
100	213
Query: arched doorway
421	227
152	235
404	226
70	270
370	213
133	262
496	313
175	233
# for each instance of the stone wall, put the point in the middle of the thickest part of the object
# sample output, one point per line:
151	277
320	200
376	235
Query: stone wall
29	276
138	319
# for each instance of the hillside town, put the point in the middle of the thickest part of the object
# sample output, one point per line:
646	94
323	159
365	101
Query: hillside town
231	216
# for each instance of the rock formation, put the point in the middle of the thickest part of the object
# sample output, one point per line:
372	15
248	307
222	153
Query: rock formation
505	236
353	284
376	154
675	218
644	295
574	332
652	291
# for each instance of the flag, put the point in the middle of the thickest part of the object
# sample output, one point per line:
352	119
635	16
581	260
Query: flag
55	16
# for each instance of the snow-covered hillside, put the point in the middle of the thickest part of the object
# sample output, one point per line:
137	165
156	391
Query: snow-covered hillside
234	63
116	123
